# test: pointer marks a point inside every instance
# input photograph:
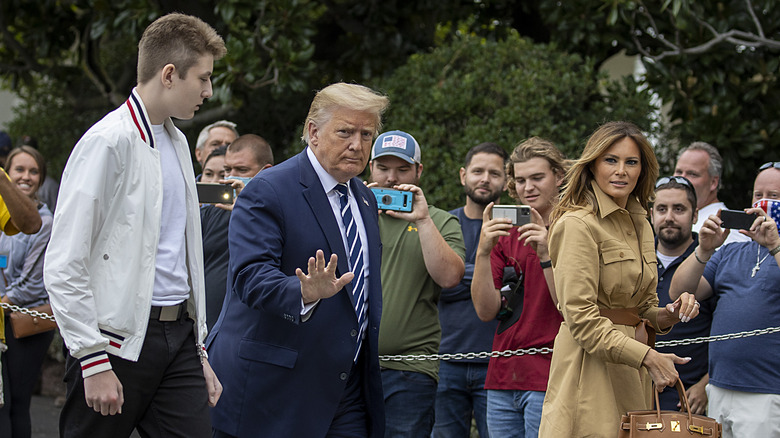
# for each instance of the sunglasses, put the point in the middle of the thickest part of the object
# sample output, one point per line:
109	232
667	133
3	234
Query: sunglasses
775	164
678	179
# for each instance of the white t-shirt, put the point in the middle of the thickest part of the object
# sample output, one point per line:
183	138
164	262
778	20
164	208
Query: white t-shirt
171	285
664	260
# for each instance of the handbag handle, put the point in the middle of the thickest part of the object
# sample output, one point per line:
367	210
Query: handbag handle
683	399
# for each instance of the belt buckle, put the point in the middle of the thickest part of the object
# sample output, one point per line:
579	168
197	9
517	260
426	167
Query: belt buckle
169	313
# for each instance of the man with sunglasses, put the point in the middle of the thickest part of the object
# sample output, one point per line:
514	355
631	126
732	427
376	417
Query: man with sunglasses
702	165
744	387
673	214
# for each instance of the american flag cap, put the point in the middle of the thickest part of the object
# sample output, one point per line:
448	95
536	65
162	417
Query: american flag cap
399	144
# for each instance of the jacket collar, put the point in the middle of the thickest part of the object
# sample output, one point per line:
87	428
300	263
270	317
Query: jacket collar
140	118
607	206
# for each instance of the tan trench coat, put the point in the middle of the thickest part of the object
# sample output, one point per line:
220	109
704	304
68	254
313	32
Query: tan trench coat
601	260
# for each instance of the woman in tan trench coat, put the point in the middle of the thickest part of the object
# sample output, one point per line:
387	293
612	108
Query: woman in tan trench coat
601	246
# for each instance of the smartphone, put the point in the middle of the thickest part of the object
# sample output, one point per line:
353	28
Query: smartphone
737	220
212	193
392	199
3	261
519	214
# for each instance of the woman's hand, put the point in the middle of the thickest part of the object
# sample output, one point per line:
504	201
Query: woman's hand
661	368
684	308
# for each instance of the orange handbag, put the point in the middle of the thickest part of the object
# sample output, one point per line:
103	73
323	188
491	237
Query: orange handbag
668	424
24	325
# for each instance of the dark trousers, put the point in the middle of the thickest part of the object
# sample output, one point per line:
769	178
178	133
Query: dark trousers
165	392
21	369
351	418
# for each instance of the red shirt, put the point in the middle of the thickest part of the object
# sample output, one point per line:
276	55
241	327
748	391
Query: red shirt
537	327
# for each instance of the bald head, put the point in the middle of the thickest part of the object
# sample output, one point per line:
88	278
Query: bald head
767	184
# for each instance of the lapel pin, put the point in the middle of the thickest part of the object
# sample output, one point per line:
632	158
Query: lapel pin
366	202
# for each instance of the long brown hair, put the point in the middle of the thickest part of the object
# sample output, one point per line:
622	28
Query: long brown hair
578	193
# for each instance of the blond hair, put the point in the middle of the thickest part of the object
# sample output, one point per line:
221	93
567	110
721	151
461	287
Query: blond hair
342	95
176	39
578	193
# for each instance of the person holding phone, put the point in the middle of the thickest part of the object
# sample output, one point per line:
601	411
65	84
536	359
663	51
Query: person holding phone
423	252
744	277
238	162
602	251
516	385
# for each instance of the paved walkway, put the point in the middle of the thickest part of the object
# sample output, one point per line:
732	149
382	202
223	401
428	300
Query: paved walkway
45	418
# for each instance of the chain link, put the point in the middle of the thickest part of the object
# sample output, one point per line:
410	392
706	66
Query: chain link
547	350
35	313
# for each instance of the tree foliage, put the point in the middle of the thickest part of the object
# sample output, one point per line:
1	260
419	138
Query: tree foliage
715	64
474	90
279	51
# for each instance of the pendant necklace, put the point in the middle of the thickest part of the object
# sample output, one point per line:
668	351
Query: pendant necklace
758	263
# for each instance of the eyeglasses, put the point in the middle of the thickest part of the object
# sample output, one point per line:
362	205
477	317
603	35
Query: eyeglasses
775	164
678	179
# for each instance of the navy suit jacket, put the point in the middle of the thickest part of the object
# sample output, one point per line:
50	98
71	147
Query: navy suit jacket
283	376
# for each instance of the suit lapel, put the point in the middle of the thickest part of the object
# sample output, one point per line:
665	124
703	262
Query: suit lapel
321	210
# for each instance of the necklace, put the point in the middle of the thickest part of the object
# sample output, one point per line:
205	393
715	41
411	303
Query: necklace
758	263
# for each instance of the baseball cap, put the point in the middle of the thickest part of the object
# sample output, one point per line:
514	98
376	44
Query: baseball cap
398	144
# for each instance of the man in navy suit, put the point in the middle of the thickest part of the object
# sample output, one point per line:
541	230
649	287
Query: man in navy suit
296	343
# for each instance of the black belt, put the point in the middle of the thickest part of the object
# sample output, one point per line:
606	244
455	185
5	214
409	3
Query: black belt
168	313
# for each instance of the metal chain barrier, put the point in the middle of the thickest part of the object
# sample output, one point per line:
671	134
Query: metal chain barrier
547	350
35	313
489	354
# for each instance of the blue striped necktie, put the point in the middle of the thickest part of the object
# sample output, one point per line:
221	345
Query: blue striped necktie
355	264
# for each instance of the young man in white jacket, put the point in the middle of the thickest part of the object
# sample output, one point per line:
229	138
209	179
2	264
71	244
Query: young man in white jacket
124	268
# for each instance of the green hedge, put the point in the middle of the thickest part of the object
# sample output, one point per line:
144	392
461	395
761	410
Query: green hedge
473	90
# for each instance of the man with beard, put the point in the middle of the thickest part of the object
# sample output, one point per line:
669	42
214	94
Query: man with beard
422	252
674	213
461	382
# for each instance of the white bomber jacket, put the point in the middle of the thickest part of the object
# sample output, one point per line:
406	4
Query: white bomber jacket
100	262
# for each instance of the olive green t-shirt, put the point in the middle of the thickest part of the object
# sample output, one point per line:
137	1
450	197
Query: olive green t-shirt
410	315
